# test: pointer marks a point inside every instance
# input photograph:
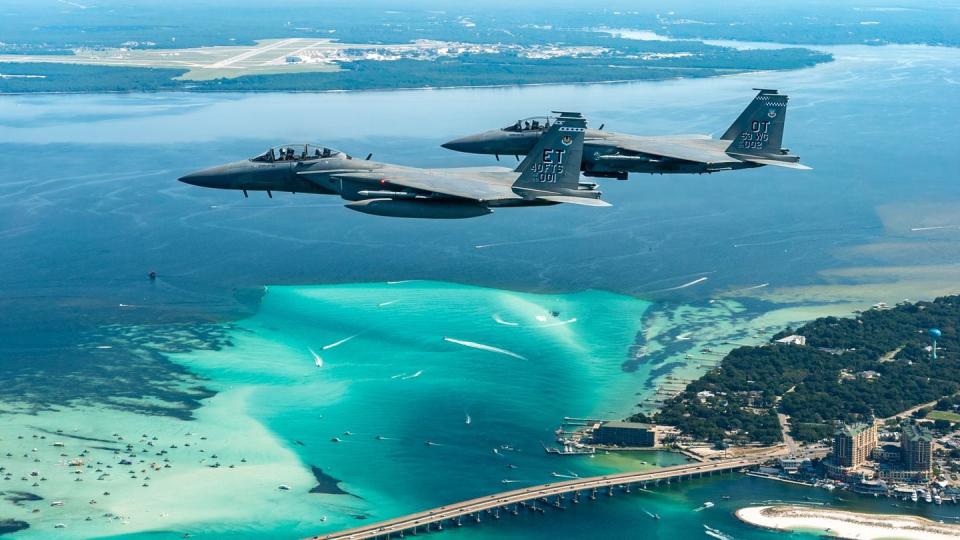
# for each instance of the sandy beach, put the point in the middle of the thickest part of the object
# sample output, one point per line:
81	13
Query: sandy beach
841	524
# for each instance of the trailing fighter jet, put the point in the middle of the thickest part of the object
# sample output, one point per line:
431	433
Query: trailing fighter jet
550	174
753	140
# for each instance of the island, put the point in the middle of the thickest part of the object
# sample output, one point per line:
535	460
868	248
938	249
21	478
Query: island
842	524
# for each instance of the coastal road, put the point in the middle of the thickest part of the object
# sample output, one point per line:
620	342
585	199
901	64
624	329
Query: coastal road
474	507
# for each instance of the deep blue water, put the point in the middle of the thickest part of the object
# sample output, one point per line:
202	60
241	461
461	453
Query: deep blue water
89	204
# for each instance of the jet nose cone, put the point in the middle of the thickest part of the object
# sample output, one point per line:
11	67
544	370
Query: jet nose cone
471	143
194	179
214	177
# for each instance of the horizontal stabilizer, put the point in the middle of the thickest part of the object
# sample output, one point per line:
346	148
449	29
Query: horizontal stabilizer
582	201
776	163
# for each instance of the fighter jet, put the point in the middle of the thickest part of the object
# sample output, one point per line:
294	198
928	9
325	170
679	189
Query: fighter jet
753	140
550	174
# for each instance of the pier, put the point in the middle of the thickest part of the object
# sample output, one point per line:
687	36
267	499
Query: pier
534	499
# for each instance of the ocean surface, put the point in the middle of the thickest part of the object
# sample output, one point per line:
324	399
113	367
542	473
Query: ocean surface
212	368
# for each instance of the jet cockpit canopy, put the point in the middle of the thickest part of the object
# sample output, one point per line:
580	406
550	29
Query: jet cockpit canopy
297	152
534	123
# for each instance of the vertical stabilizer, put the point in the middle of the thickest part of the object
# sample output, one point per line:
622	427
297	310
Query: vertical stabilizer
758	131
553	165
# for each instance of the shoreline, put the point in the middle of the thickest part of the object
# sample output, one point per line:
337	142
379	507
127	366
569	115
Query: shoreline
400	89
843	524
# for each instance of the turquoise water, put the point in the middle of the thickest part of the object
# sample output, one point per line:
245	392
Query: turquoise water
397	377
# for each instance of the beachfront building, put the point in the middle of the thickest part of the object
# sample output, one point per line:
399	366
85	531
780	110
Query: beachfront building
793	340
887	453
632	434
916	449
852	444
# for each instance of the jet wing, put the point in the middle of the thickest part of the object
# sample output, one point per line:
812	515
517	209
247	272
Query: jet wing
482	184
582	201
694	149
777	163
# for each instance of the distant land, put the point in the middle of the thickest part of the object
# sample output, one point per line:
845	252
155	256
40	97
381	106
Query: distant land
110	46
298	64
849	369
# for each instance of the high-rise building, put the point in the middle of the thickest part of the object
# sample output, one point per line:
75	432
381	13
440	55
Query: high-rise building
916	448
852	444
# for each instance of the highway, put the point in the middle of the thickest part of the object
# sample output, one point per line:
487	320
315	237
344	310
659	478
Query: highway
473	508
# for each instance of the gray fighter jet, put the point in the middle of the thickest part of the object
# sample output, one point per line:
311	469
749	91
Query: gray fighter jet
550	174
753	140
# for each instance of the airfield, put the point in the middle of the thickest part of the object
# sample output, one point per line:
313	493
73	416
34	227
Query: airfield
268	56
287	55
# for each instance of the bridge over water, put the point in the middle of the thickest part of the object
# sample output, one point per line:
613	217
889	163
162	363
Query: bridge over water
534	499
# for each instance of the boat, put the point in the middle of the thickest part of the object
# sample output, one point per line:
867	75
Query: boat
283	487
938	499
467	420
913	496
335	439
430	443
927	497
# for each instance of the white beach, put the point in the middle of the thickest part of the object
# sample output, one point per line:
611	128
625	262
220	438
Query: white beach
842	524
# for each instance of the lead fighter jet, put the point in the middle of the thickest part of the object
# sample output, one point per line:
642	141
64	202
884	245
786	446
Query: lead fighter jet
753	140
550	174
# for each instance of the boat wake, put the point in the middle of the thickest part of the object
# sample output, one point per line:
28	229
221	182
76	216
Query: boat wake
482	347
496	317
384	304
341	342
316	357
716	533
412	375
760	286
937	228
685	285
557	323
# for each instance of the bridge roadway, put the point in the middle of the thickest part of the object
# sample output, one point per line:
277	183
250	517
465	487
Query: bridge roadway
473	508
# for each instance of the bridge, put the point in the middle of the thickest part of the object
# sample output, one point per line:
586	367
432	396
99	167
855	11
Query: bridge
534	499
